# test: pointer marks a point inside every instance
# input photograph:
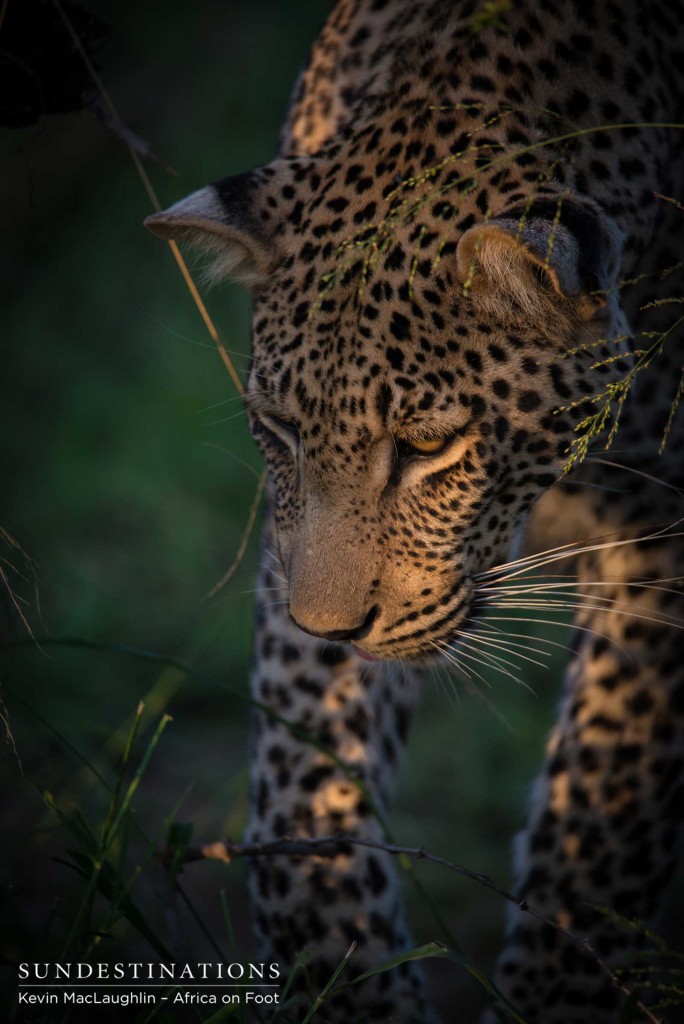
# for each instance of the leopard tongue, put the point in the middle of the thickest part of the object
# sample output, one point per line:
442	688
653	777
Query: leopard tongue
365	655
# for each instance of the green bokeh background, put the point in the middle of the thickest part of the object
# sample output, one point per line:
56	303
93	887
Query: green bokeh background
128	475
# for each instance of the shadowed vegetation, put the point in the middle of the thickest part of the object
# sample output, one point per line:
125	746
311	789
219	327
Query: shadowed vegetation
132	477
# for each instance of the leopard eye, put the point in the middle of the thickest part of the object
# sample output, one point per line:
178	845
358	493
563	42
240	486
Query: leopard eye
280	431
428	445
420	446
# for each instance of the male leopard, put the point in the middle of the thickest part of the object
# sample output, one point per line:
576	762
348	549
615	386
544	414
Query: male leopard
436	258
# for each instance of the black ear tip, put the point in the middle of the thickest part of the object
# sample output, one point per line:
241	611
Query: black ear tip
592	281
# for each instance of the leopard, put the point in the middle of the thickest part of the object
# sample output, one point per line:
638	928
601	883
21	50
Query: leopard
466	244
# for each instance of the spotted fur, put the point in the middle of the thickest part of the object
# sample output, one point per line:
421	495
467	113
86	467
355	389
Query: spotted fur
437	258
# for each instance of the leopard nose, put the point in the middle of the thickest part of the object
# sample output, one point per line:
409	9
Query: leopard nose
356	633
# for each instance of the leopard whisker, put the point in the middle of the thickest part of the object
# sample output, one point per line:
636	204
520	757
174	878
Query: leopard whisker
226	419
568	625
588	549
637	472
490	661
501	645
449	691
522	588
261	590
445	652
443	675
573	548
224	401
538	639
561	596
614	606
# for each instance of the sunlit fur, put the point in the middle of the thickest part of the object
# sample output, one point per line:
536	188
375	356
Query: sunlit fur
455	244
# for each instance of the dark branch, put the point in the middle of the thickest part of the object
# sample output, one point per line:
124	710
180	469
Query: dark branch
332	846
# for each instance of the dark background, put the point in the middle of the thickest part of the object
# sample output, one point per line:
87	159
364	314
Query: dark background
128	474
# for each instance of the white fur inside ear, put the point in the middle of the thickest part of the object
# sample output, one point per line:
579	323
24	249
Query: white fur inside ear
503	274
230	260
204	204
507	276
200	220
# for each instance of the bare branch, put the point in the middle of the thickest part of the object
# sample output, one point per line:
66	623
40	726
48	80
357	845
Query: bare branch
245	537
154	199
334	845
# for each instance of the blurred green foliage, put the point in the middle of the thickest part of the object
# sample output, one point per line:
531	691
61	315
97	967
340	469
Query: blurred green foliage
129	473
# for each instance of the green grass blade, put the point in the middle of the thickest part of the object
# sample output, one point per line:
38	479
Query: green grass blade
106	884
302	734
438	950
116	795
325	992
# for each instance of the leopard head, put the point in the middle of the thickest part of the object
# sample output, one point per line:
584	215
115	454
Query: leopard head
415	382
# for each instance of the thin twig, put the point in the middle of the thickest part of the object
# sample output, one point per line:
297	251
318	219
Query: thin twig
245	537
94	103
333	845
6	586
149	188
115	123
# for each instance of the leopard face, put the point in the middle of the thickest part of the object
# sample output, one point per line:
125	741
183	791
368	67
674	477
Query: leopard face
407	432
412	411
436	261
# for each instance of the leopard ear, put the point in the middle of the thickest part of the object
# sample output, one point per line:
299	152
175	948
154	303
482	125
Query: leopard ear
232	222
542	261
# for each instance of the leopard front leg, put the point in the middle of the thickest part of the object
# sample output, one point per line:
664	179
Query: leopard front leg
605	812
360	713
